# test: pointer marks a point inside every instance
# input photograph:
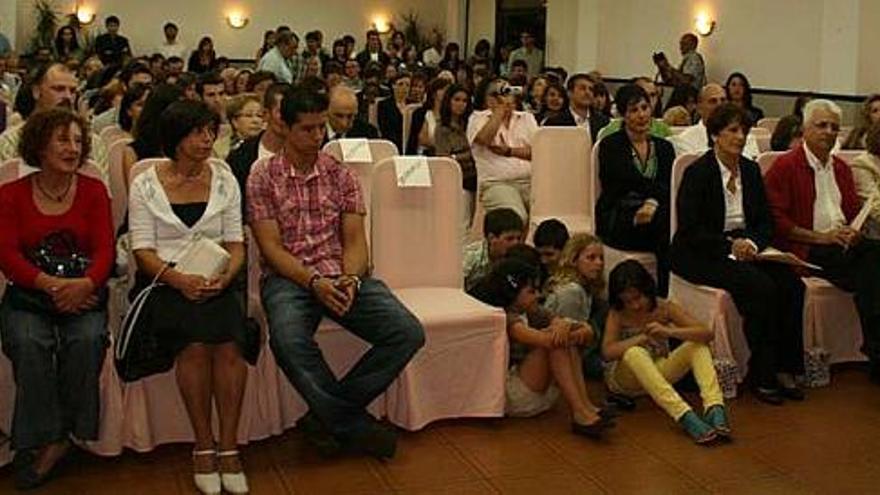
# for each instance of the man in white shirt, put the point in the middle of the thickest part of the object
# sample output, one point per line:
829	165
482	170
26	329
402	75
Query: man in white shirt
500	138
434	53
813	198
171	47
695	139
280	59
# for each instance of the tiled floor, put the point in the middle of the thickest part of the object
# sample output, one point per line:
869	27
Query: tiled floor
828	444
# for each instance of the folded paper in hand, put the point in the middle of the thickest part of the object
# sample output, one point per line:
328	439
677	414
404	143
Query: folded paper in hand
775	255
859	220
203	257
412	171
356	150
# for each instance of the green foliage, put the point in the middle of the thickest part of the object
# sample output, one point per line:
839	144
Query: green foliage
47	23
417	34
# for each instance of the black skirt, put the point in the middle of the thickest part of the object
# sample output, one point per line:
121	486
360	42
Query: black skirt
179	322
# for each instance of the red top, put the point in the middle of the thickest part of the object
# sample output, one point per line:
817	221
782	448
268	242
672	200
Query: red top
791	192
23	226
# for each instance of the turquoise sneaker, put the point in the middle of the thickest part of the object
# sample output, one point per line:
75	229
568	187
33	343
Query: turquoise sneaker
701	432
716	417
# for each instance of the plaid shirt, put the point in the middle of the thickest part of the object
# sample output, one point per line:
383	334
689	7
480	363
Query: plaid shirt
308	208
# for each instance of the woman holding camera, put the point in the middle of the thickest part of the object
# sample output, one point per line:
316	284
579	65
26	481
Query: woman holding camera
201	321
501	137
56	248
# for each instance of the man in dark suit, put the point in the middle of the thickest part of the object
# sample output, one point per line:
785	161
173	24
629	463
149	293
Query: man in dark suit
342	119
373	52
111	47
724	221
580	96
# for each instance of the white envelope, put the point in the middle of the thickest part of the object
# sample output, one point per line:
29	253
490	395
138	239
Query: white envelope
412	171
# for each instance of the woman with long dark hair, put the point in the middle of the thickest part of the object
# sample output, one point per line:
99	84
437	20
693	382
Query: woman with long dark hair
204	58
66	45
450	139
739	92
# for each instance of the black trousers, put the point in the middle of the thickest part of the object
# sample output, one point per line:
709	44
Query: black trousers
856	270
652	237
770	298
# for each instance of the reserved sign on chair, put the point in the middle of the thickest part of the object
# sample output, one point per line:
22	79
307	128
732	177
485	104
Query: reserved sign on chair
412	171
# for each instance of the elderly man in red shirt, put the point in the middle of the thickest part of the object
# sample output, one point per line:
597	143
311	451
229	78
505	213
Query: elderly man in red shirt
813	199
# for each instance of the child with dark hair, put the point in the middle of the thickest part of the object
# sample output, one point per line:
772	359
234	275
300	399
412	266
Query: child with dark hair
636	339
550	237
543	349
503	229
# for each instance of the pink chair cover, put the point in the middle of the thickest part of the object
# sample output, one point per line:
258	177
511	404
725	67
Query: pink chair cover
831	321
713	306
380	149
767	159
561	171
848	155
118	188
768	123
407	123
112	134
419	227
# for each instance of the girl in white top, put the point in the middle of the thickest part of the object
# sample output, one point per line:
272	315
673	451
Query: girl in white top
200	321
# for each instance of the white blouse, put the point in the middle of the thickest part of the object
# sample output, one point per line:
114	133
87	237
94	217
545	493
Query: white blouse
153	224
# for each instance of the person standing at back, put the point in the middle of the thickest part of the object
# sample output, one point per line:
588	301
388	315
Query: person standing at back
111	47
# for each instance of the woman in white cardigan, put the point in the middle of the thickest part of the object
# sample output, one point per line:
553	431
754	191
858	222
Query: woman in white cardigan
866	173
200	321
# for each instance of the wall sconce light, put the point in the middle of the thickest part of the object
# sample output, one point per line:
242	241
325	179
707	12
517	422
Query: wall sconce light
85	15
703	24
381	24
236	20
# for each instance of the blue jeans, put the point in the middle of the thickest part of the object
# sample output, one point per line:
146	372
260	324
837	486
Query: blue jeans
57	363
376	316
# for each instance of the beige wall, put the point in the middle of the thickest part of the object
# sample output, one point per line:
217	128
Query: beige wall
822	45
142	20
481	23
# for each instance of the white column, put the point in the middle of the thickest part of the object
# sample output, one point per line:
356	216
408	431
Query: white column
573	34
840	46
481	23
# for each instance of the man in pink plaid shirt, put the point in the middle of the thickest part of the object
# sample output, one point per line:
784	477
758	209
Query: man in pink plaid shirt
307	215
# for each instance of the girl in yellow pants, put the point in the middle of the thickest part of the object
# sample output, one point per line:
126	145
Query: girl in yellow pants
636	338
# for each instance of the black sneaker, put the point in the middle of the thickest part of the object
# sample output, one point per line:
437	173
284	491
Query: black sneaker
373	440
319	436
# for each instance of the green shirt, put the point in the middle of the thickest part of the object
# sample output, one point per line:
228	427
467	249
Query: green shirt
658	128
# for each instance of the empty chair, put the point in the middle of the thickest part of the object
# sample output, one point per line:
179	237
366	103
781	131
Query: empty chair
768	123
561	171
416	250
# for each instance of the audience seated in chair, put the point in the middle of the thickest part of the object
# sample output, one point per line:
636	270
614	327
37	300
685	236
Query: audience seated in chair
342	117
53	323
634	170
657	128
723	222
199	321
695	139
814	199
503	229
500	138
866	174
579	113
391	111
425	120
53	85
317	265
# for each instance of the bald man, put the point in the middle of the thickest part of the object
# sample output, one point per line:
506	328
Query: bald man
342	120
695	139
53	86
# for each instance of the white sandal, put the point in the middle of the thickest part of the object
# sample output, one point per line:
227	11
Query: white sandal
235	483
207	483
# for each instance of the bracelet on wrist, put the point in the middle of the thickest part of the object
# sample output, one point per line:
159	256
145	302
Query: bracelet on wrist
313	280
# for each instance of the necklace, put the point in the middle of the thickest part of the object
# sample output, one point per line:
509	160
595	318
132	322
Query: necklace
58	198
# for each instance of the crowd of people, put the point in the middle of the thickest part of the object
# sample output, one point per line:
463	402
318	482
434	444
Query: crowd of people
566	323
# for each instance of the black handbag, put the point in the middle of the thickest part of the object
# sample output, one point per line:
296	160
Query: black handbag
138	352
59	256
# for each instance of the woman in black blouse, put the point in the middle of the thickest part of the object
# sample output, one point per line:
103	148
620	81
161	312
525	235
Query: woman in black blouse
632	212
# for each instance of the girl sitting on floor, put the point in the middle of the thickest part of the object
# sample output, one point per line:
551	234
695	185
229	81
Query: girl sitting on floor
543	349
637	334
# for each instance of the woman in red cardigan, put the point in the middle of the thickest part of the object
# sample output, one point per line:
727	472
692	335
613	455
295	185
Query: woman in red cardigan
56	249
